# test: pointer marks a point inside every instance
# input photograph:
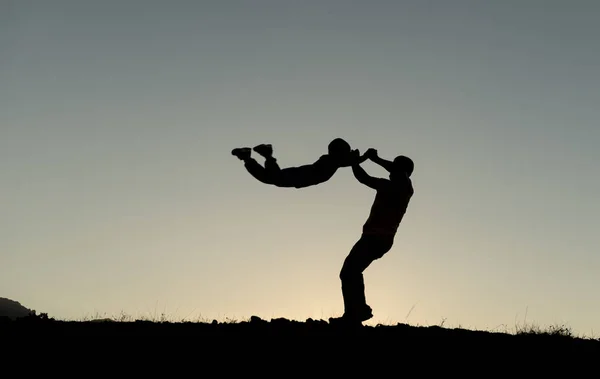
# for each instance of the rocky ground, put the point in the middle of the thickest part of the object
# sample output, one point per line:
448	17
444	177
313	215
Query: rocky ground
318	345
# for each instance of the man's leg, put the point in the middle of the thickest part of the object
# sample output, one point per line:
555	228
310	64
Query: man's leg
363	253
352	278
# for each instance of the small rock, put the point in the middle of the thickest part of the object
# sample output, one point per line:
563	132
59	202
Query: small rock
256	319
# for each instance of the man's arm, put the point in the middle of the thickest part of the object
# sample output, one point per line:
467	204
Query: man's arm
361	175
372	154
383	163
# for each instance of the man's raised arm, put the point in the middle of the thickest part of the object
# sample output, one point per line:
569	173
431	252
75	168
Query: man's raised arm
372	154
361	175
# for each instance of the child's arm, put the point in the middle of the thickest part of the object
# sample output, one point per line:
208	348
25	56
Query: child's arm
353	158
361	175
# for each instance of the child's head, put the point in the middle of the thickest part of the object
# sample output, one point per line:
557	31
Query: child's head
338	148
401	166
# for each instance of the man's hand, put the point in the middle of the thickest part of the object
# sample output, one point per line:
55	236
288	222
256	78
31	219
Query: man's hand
361	158
371	153
356	158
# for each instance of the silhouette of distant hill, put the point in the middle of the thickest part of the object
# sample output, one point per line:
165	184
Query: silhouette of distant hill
12	309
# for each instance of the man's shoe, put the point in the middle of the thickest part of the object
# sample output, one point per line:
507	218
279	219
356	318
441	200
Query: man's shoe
353	318
344	321
365	314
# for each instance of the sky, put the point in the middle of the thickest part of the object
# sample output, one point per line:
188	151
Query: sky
120	194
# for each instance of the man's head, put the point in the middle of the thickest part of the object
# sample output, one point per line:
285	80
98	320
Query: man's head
402	166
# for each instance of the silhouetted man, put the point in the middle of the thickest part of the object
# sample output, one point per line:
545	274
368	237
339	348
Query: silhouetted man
339	155
389	206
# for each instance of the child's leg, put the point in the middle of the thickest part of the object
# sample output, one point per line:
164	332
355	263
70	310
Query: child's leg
266	150
252	166
257	171
271	166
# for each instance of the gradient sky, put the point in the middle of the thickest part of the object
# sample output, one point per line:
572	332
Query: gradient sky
120	194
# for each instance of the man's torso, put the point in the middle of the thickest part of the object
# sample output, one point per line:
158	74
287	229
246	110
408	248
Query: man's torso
389	207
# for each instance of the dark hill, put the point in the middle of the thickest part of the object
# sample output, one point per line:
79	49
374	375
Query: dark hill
12	309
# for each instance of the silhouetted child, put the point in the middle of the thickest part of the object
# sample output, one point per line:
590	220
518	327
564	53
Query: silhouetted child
339	155
389	206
